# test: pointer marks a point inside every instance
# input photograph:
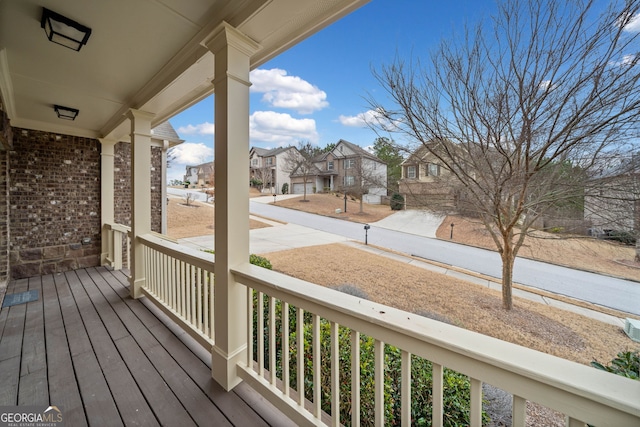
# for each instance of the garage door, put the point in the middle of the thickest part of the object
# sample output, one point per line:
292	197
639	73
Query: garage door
299	188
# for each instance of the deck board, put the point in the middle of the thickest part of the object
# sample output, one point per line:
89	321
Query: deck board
63	390
109	360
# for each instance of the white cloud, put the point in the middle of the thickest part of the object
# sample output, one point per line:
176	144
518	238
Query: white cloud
362	120
633	26
281	129
190	153
201	129
284	91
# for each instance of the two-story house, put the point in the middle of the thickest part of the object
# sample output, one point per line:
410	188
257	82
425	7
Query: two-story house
272	167
425	181
347	168
612	199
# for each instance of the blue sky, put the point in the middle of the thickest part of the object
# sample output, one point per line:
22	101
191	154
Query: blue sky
316	91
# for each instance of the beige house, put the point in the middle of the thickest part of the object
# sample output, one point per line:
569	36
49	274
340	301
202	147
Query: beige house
347	167
176	338
200	176
271	167
426	182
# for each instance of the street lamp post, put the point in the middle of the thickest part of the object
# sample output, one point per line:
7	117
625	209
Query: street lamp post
366	233
274	198
451	236
345	201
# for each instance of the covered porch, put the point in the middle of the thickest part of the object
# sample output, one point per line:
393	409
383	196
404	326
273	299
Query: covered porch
259	328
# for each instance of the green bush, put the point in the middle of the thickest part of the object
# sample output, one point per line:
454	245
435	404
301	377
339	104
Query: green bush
260	261
456	393
627	364
285	188
396	202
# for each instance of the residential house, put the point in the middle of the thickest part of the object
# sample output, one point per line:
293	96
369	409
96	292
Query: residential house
190	176
200	176
612	199
349	168
271	167
425	181
94	340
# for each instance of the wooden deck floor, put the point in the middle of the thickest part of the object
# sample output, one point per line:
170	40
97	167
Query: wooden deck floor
106	359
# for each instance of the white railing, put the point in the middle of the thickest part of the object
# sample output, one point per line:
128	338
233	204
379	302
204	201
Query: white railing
179	280
117	235
584	394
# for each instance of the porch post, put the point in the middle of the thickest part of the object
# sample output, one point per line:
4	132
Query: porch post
140	194
232	52
107	198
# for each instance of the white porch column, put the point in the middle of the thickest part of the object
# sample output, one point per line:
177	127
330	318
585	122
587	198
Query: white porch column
107	198
140	193
232	51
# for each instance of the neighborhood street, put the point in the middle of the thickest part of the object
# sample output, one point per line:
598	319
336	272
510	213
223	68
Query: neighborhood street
623	295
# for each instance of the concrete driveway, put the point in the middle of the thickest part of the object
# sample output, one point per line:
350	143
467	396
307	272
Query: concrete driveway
418	222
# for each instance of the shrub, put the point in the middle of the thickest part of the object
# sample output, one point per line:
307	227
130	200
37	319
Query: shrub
397	202
623	237
285	188
456	393
253	259
260	261
255	182
626	364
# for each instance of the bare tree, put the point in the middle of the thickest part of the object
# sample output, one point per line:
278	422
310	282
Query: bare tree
299	163
364	175
544	84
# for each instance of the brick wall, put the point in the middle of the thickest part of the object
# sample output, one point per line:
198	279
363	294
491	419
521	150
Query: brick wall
122	183
4	217
54	203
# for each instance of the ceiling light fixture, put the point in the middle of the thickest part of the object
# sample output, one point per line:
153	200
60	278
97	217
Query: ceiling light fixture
66	113
64	31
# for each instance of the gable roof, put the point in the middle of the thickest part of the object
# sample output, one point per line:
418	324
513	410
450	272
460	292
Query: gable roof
355	148
165	132
265	152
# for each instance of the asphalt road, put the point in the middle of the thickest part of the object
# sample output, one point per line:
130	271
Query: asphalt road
623	295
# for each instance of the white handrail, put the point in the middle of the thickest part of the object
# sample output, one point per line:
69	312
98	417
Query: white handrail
581	392
179	280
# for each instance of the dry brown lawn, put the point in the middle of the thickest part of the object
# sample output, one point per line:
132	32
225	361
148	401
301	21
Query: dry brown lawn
577	252
533	325
193	220
327	203
407	287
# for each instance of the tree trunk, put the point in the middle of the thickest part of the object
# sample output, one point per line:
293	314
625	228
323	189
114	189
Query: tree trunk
507	276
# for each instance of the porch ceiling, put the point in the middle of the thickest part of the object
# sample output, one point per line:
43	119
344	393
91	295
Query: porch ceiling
142	54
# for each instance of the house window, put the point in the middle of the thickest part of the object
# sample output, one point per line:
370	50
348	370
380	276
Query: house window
433	169
411	172
269	161
349	163
254	162
330	165
349	181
